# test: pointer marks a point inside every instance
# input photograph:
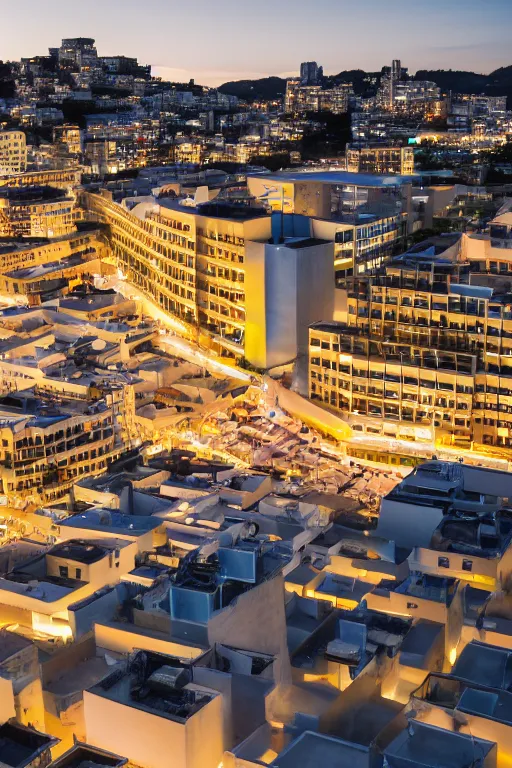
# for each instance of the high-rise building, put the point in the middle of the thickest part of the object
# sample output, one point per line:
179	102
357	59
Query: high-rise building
366	216
189	260
13	153
424	353
78	53
196	261
36	212
310	73
381	160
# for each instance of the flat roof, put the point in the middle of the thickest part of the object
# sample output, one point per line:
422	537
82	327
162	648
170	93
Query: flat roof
92	301
42	270
20	745
114	522
424	744
47	589
85	756
337	177
492	705
483	664
212	210
161	702
79	551
311	750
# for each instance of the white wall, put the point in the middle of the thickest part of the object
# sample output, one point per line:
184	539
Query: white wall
152	741
290	288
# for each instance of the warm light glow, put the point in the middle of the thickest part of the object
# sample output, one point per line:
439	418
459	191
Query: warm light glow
47	627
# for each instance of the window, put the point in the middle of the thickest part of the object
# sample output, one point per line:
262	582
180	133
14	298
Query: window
443	562
63	571
467	565
78	573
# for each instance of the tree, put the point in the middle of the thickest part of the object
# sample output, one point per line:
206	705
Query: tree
7	84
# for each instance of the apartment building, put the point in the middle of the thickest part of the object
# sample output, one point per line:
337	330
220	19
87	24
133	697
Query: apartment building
491	252
301	98
68	139
64	179
51	281
43	453
189	260
367	216
310	73
170	706
424	354
36	212
380	160
78	53
76	246
48	591
13	152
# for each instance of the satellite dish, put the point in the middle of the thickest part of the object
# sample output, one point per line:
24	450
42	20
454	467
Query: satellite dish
98	344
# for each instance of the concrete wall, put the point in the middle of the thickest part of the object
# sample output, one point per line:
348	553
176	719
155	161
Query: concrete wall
248	694
406	605
313	199
255	621
152	741
290	289
7	708
484	570
67	659
408	525
145	739
204	737
221	682
483	480
83	616
122	639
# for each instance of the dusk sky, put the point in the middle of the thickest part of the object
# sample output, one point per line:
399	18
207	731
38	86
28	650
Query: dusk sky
232	39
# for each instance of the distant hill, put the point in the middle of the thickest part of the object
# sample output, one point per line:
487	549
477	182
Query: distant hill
364	82
251	90
453	80
498	83
274	87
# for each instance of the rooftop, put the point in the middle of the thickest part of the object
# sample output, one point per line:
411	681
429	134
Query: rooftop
158	684
311	750
487	665
20	746
79	551
339	177
91	302
219	210
98	519
426	745
85	756
24	195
